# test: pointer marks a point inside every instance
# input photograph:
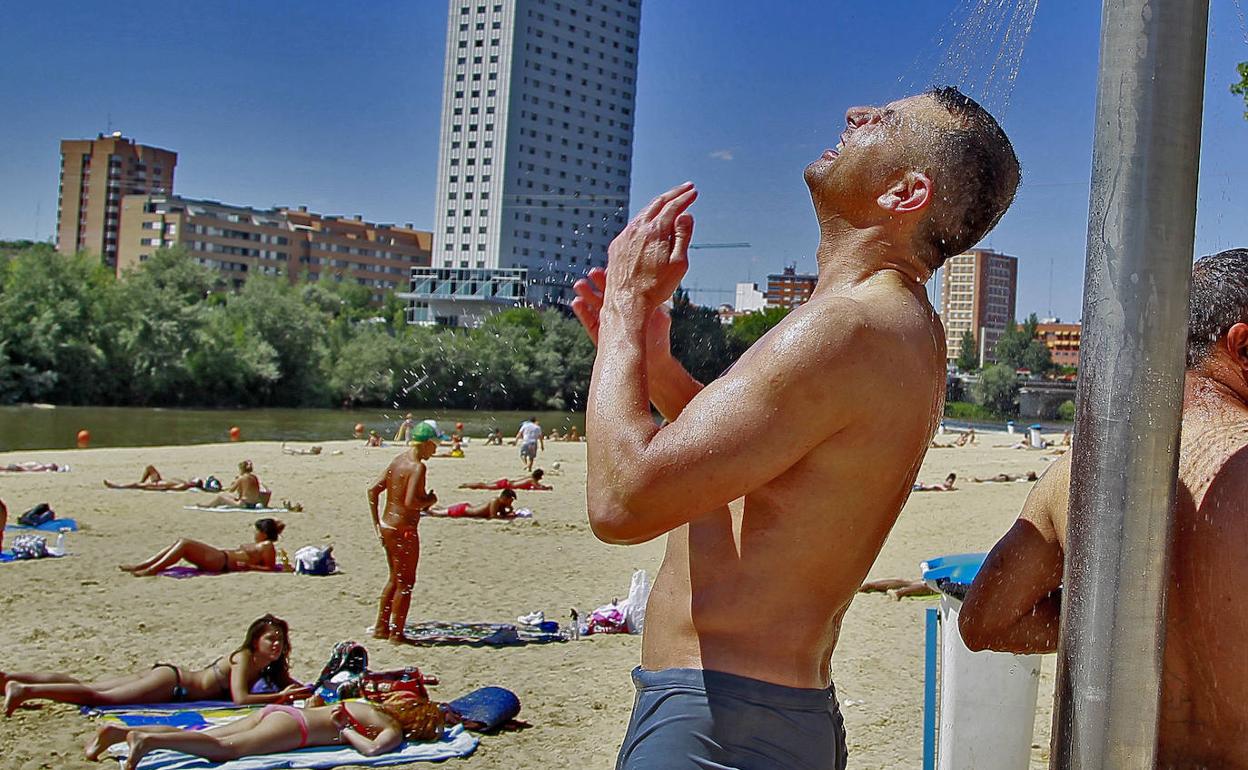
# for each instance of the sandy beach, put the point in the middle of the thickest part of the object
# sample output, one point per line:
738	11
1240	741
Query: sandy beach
82	616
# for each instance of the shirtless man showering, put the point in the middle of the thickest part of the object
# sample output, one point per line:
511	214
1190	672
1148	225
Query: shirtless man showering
845	393
1015	602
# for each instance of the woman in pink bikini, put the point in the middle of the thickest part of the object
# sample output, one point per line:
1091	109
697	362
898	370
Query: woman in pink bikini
260	663
370	728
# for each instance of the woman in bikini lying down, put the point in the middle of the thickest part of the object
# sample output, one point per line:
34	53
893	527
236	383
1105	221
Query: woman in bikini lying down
152	481
498	508
259	555
369	727
257	672
532	483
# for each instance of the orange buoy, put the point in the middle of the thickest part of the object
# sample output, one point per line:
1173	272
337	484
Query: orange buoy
235	433
459	426
84	438
359	430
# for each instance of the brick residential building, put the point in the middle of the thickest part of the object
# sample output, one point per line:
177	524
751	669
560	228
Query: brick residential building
978	291
1062	340
789	288
239	241
95	175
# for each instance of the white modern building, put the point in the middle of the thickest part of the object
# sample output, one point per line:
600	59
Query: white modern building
537	138
749	298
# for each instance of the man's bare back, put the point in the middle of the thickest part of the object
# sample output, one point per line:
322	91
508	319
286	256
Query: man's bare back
765	607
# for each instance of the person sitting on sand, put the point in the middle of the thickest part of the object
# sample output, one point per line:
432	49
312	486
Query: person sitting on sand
495	438
312	450
403	433
404	485
897	588
257	672
456	445
258	555
33	467
1002	478
945	486
498	508
532	483
152	481
370	727
374	439
573	435
245	492
965	438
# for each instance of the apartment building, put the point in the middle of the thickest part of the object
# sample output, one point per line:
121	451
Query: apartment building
240	241
1062	340
95	175
789	288
536	140
977	295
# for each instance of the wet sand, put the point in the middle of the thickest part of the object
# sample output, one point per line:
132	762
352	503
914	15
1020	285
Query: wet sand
82	616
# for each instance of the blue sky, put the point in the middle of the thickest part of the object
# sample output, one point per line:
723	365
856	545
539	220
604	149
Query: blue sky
336	106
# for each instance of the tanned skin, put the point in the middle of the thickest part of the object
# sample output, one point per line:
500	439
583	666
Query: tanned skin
844	394
404	485
1014	604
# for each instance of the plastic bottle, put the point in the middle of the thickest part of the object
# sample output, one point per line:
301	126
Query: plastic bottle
62	540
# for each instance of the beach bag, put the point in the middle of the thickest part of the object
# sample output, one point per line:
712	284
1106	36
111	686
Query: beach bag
29	547
341	675
40	514
375	685
212	484
485	710
313	560
607	619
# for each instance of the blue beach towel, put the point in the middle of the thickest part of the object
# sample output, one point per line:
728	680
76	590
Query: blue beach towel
53	525
456	742
200	706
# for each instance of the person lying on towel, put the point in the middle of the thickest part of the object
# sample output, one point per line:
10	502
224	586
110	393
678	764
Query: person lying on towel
369	727
152	481
498	508
257	672
258	555
532	482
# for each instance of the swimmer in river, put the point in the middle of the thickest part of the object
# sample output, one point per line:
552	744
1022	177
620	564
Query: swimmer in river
404	484
1014	604
844	393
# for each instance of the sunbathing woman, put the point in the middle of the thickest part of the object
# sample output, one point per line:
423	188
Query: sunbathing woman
946	486
312	450
257	672
258	555
532	482
1002	478
152	481
371	728
33	467
245	492
498	508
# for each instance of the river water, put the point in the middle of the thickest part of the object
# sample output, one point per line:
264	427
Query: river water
27	427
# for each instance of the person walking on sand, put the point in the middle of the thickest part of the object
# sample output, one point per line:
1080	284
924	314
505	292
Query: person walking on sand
403	483
530	438
1014	604
845	393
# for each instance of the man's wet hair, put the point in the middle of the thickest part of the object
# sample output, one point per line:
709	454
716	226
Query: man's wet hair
537	474
1219	300
976	175
507	493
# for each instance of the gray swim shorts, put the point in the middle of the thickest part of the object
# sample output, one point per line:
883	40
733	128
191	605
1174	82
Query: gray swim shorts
690	719
528	449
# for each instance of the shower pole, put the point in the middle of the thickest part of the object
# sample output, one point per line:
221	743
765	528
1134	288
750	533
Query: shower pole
1141	225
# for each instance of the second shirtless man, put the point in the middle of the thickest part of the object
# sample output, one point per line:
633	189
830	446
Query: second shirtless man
844	394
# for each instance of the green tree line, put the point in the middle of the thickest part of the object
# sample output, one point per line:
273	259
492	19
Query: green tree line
167	335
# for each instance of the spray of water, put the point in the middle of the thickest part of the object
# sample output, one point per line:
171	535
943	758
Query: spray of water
981	48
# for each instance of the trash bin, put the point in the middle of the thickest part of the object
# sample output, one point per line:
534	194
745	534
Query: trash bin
1034	437
987	699
1009	427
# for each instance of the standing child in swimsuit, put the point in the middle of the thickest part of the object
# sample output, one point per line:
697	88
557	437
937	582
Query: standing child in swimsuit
263	657
406	496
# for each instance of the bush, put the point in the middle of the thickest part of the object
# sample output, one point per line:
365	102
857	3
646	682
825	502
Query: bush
964	410
997	389
1066	412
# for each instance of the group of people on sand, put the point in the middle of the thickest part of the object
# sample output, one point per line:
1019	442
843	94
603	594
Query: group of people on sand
245	491
256	673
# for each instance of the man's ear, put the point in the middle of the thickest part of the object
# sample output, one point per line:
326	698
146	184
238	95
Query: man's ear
913	192
1237	345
